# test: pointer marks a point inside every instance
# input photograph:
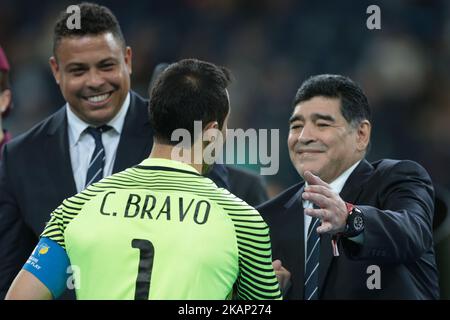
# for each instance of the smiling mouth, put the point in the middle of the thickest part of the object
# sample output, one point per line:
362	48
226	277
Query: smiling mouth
98	99
309	151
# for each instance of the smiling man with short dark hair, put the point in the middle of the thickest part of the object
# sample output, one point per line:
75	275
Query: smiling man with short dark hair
103	128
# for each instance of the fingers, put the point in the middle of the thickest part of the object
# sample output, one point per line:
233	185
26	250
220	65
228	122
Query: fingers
317	198
282	274
329	223
324	228
320	190
314	180
316	213
277	266
326	225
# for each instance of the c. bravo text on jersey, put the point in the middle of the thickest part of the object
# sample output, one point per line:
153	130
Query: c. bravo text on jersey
149	206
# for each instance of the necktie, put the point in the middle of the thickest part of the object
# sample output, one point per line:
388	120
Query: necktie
312	261
97	162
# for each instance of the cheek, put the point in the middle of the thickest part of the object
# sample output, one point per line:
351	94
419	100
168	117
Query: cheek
70	86
119	83
121	76
127	70
291	141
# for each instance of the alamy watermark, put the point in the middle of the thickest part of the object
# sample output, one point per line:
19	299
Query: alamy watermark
74	20
374	280
74	278
240	145
374	20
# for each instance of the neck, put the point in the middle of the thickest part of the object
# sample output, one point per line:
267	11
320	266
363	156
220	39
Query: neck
165	151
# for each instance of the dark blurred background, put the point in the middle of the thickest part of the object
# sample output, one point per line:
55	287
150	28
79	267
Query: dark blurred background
271	46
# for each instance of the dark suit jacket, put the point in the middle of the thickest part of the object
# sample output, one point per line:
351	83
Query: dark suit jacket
247	186
396	198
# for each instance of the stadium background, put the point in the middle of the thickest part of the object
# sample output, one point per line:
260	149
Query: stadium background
271	46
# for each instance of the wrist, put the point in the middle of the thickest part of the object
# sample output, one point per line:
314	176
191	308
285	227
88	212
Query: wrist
355	222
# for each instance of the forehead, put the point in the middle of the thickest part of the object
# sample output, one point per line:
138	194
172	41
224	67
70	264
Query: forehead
88	48
318	105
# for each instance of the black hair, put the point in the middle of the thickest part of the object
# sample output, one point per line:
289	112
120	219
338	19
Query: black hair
187	91
94	20
354	104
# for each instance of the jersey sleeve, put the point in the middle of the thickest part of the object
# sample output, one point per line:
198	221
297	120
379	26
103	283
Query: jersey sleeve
54	230
49	261
256	279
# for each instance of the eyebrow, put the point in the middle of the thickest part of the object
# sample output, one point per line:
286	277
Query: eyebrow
296	118
321	116
314	117
109	59
75	65
83	65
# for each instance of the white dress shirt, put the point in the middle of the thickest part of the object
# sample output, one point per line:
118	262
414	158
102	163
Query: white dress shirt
336	186
82	144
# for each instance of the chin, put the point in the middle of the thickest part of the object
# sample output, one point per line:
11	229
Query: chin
101	116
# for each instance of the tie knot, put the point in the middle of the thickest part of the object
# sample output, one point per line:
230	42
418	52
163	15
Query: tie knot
96	133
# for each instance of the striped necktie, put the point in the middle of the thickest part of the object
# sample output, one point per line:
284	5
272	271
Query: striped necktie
312	261
95	169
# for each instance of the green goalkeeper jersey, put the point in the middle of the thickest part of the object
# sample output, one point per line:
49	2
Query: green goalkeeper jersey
160	230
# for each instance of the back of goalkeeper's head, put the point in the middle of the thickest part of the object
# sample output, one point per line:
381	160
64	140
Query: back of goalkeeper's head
188	91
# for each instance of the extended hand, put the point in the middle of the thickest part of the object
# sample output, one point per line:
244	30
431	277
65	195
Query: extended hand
332	212
283	275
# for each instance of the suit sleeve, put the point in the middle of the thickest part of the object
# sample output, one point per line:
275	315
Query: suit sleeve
16	239
399	230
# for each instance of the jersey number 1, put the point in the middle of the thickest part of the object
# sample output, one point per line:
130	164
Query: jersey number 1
146	255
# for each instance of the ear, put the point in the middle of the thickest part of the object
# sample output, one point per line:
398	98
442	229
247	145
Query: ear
363	135
128	56
5	100
55	69
211	125
210	132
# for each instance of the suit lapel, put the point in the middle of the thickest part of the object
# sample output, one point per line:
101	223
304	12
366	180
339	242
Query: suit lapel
349	193
136	139
294	208
57	154
355	182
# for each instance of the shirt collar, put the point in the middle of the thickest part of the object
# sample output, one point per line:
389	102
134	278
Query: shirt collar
77	126
162	162
340	181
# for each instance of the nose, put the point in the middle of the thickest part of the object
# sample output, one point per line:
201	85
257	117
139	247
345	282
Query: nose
307	135
95	79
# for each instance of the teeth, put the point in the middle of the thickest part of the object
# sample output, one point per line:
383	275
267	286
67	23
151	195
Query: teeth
99	98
